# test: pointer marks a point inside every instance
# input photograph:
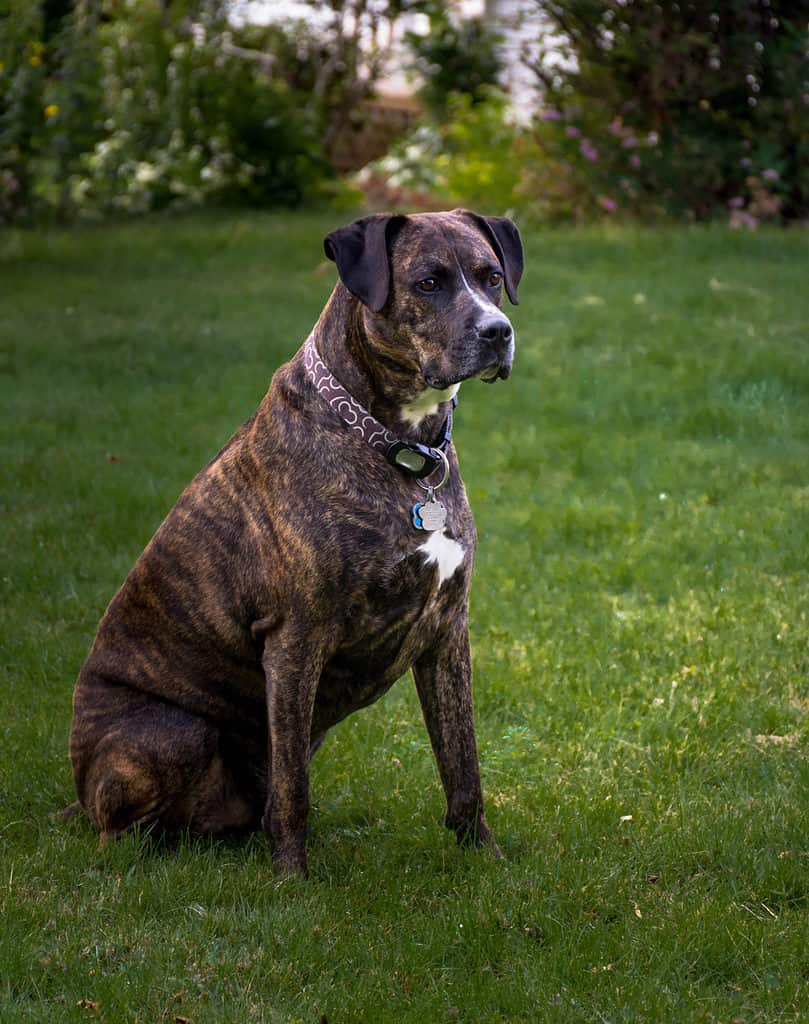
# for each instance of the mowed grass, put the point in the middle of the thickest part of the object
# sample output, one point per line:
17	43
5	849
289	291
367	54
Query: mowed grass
639	628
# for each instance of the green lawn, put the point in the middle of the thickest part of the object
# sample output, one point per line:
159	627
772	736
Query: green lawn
639	628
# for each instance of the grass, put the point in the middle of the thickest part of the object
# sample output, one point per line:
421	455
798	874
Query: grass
639	625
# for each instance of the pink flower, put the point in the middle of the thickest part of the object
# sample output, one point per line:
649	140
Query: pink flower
742	219
629	142
572	131
616	127
770	174
736	203
588	150
634	161
608	204
551	115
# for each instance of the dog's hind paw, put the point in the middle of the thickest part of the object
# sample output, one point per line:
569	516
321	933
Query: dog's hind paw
66	813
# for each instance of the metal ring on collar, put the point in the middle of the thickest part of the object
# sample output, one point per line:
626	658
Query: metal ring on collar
444	478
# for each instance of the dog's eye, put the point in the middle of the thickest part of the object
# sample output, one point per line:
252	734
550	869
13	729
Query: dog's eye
429	284
495	279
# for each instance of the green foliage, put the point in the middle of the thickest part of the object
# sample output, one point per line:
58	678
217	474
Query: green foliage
457	55
638	620
74	108
22	78
187	122
684	109
475	155
144	109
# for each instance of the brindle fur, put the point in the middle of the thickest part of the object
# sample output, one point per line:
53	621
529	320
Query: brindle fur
285	590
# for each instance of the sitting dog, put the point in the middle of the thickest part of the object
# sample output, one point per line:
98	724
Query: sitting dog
326	550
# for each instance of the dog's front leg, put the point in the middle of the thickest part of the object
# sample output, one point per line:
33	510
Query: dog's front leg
292	665
444	682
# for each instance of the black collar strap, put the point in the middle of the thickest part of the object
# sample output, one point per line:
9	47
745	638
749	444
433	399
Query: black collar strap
418	460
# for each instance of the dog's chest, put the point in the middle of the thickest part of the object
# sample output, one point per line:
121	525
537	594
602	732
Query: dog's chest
404	604
418	582
393	573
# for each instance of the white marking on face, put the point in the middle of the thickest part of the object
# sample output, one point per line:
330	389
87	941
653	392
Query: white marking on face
484	304
489	307
426	404
447	553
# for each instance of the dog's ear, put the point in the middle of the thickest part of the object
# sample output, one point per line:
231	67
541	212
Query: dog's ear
504	238
362	253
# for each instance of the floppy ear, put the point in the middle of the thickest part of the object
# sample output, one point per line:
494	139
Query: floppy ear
361	253
504	238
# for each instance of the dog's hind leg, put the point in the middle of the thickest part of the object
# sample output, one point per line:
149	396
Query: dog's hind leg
156	764
125	786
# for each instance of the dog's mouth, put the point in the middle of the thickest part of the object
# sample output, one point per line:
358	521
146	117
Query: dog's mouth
489	374
497	371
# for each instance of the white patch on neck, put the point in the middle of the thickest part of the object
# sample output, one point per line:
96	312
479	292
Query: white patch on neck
426	404
445	552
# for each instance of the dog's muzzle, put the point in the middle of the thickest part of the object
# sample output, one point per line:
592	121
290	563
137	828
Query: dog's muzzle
496	337
491	350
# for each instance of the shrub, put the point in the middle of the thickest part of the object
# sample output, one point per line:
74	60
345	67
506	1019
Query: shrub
686	109
22	116
475	155
148	108
457	56
187	122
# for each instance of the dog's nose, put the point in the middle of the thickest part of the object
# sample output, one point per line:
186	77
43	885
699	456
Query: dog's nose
496	332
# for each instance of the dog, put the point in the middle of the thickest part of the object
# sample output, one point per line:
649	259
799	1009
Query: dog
325	551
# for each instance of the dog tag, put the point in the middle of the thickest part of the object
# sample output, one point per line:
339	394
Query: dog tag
430	515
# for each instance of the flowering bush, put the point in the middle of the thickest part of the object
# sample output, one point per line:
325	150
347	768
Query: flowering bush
185	123
686	109
22	115
143	110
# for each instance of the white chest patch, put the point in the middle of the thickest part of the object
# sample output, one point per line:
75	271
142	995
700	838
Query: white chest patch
445	552
426	403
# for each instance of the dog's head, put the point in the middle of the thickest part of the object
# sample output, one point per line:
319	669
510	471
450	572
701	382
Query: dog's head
432	285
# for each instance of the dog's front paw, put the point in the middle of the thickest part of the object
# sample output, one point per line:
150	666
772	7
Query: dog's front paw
290	863
287	841
483	837
475	832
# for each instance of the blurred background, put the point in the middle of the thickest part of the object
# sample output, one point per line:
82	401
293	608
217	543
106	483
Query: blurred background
546	109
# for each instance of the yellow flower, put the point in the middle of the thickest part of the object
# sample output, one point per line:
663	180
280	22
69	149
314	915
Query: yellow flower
35	60
2	67
51	110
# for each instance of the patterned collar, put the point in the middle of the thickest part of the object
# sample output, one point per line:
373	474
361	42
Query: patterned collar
417	460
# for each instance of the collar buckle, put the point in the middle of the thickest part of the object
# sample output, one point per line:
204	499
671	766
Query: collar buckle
417	460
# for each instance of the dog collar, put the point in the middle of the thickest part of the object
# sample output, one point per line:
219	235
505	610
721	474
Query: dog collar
417	460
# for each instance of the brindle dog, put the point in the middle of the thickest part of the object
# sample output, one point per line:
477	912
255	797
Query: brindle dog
289	586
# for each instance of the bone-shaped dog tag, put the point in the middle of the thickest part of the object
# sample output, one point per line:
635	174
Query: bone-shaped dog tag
430	515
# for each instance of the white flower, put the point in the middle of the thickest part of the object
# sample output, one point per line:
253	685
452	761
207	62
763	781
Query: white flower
145	173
